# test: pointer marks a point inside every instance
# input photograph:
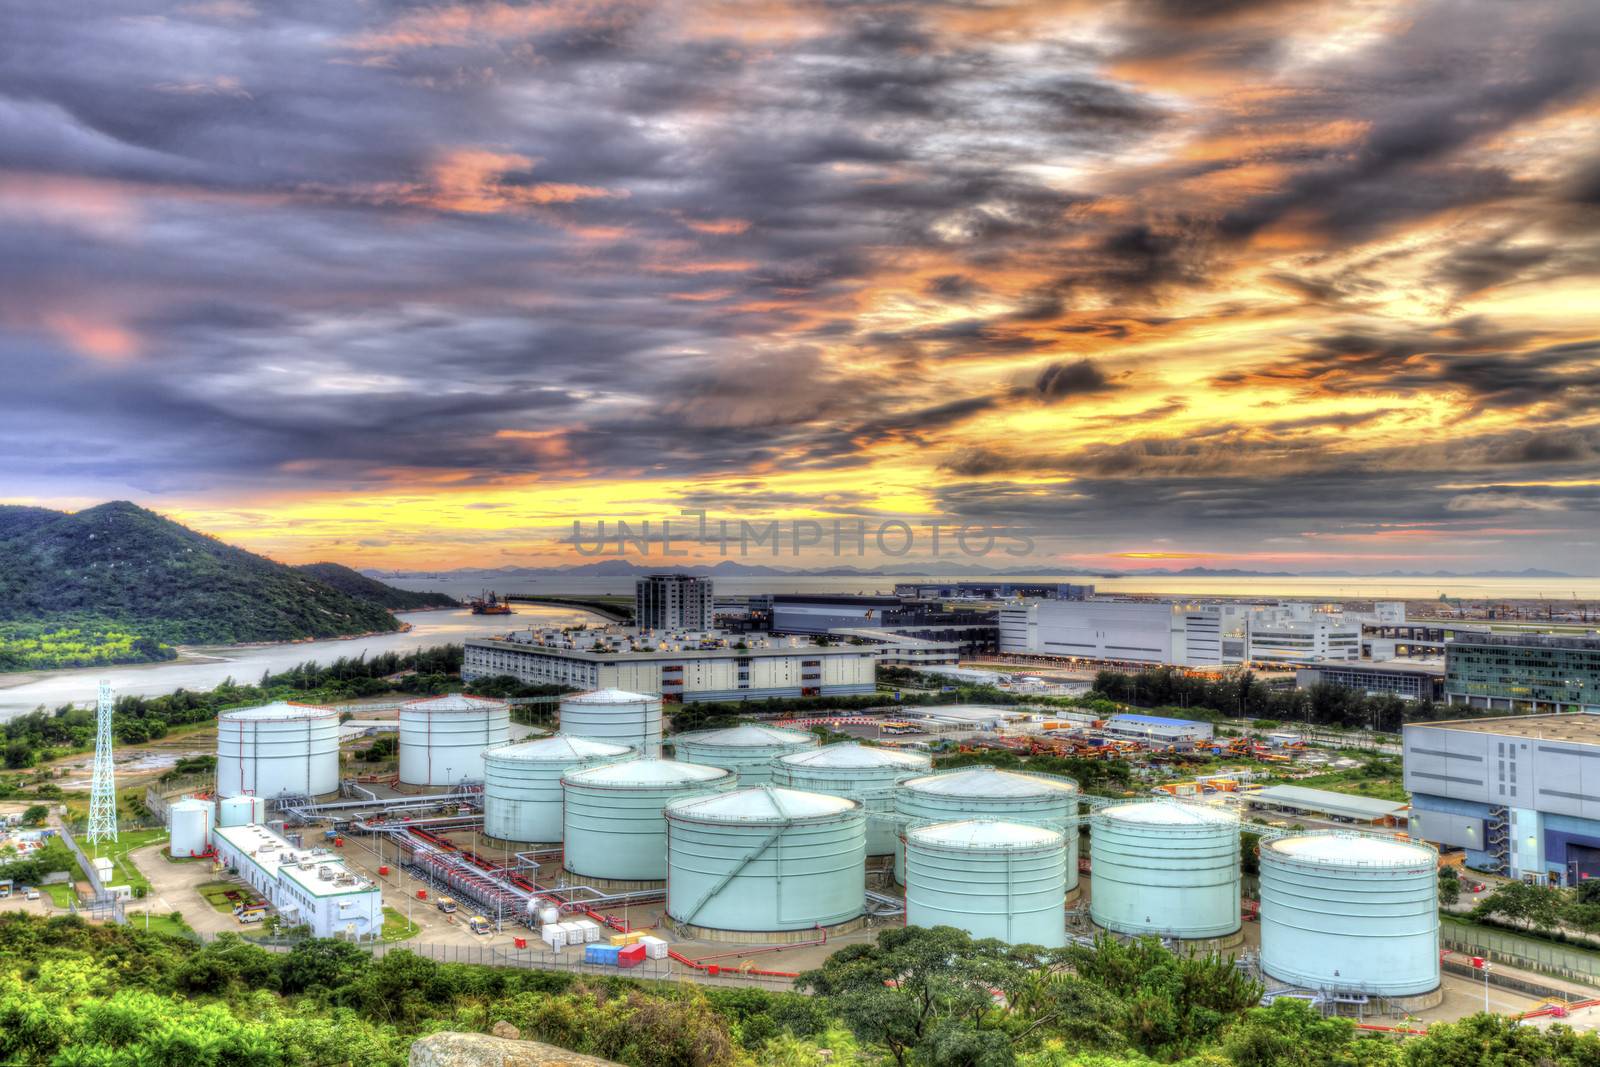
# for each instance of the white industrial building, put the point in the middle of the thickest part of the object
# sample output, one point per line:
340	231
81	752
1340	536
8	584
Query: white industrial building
1298	633
1179	633
676	665
310	887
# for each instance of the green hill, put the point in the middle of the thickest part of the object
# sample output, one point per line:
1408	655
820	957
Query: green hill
120	567
354	583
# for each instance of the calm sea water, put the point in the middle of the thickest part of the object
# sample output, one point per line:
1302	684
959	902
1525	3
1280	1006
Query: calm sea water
21	693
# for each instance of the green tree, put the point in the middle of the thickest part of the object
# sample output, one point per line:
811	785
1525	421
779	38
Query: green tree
35	815
1536	907
1291	1033
1449	885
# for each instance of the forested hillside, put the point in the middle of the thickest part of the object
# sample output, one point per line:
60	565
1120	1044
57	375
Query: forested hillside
122	569
353	583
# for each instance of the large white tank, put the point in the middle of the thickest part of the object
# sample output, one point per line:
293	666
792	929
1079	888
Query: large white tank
1166	868
616	716
989	793
766	859
442	738
615	829
1349	914
991	879
747	750
522	784
241	811
276	749
189	821
861	772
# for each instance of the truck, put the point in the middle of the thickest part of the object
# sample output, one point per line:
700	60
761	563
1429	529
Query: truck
446	904
478	925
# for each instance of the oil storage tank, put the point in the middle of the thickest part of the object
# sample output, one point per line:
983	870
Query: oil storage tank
241	811
522	784
992	879
615	716
1166	868
766	861
189	821
747	750
615	831
276	749
861	772
442	738
1347	913
988	793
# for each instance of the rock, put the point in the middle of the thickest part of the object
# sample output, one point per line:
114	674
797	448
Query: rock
483	1050
506	1030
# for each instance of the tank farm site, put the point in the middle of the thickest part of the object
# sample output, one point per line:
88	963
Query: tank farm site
750	853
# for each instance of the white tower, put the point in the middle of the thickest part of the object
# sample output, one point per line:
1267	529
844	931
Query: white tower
103	792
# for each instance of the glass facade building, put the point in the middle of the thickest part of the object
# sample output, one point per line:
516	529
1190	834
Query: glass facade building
1524	672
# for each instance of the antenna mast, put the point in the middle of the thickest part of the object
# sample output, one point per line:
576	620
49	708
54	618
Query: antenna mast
103	793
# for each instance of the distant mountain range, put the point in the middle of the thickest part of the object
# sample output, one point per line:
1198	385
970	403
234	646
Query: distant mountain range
622	568
121	564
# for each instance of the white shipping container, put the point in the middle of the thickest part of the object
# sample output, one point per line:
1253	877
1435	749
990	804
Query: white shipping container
591	930
556	935
654	948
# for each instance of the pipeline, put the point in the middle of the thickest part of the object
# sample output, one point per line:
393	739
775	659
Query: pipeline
713	968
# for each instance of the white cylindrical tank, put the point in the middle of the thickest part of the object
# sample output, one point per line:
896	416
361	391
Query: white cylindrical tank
861	772
615	716
766	859
1350	914
1166	868
522	784
988	793
991	879
189	821
241	811
615	829
442	738
747	750
276	749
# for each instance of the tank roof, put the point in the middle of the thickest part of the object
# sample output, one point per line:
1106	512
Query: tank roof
647	771
610	696
280	710
190	804
555	748
747	736
456	702
1168	813
1345	850
990	782
761	804
984	833
850	754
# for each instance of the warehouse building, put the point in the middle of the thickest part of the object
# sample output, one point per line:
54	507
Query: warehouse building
1520	795
1408	681
1523	672
1157	729
1125	631
1341	807
676	665
307	887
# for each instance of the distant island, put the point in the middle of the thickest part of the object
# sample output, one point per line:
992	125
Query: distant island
118	583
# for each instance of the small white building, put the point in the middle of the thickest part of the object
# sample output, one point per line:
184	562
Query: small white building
1299	633
311	887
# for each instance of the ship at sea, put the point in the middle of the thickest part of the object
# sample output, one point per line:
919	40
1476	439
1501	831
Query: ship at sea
489	604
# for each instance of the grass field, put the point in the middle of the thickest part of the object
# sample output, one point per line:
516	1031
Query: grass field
124	872
397	927
160	924
62	896
216	894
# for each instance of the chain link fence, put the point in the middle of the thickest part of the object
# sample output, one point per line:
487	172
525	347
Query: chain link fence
1517	950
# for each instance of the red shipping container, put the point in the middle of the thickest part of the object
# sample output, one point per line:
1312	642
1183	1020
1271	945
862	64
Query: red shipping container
522	942
631	956
422	894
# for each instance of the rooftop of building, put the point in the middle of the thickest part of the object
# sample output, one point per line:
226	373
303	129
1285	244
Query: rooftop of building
611	642
1577	727
1153	720
317	871
1328	802
1589	642
1432	668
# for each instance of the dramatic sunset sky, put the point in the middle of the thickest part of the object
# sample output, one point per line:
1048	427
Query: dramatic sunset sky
1271	285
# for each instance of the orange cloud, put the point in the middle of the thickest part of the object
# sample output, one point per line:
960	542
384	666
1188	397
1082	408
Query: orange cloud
94	338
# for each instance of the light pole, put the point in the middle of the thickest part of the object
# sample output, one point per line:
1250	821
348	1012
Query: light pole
1486	987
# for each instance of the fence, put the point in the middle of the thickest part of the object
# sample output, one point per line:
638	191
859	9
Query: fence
1517	950
102	905
539	957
